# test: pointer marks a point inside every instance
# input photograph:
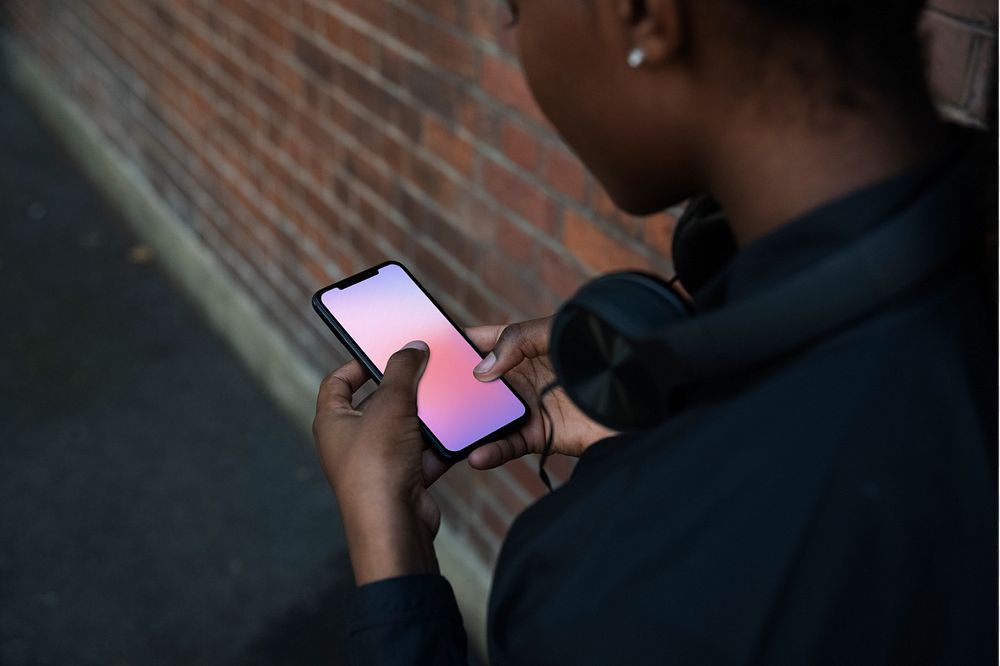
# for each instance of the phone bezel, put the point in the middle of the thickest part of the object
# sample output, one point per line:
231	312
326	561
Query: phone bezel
355	350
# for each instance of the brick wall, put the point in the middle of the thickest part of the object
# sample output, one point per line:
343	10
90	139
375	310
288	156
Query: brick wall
303	140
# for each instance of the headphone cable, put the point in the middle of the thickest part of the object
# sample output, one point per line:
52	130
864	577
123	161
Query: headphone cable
547	449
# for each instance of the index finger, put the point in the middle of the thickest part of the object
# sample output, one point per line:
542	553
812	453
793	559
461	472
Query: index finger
340	386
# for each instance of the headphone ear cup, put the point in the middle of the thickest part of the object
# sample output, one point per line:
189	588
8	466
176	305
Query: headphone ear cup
599	354
702	243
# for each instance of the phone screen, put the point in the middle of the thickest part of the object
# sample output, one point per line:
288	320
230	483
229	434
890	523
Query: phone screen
385	311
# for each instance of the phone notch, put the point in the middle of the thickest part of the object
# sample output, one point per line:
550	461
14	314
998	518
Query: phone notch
359	277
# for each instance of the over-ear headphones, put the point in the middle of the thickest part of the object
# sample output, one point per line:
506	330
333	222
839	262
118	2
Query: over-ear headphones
702	243
626	345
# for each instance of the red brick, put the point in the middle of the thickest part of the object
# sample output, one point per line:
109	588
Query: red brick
565	173
482	307
520	145
601	203
485	18
316	271
479	218
429	178
596	248
376	14
447	11
505	489
513	283
559	275
484	544
444	142
269	26
517	194
515	243
443	276
524	472
560	468
658	232
439	94
427	221
440	46
496	521
504	81
349	40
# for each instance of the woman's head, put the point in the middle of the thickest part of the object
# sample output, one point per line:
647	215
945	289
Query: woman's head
644	131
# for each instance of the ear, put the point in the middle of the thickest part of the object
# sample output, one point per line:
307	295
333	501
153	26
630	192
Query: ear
655	27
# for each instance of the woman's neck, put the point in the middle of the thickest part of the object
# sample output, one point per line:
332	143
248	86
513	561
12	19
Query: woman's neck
765	174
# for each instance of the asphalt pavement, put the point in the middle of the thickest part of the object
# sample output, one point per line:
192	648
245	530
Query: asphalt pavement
155	507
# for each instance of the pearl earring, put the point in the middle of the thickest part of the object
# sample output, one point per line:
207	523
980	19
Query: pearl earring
636	57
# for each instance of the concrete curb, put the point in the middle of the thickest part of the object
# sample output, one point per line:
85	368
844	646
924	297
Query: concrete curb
230	310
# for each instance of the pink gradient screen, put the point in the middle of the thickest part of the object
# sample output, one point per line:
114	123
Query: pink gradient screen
383	313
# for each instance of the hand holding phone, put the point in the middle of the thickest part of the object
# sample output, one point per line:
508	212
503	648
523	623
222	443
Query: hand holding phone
373	457
377	311
520	353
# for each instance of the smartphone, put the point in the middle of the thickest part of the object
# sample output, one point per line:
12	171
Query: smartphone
377	311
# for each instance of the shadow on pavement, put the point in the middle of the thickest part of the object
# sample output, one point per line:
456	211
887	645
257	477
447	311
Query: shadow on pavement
155	508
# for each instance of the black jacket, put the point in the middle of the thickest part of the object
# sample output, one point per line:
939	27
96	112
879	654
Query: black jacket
836	507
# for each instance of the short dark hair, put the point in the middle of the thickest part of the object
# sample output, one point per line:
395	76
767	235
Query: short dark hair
874	43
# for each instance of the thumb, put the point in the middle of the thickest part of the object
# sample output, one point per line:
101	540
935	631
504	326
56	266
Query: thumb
398	390
515	343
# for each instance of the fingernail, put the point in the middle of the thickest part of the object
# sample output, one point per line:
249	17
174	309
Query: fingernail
417	344
486	364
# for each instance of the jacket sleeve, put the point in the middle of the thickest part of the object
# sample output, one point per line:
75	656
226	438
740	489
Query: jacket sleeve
406	620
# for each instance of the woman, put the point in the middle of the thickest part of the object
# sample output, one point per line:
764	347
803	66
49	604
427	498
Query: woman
835	505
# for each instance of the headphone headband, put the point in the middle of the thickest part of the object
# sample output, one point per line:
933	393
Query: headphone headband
896	256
